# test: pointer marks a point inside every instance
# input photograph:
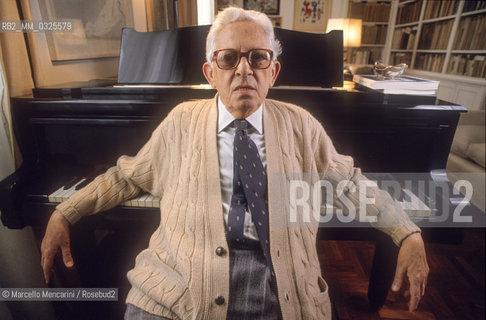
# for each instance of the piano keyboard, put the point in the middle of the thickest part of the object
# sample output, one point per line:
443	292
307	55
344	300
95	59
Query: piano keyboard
142	201
413	205
410	203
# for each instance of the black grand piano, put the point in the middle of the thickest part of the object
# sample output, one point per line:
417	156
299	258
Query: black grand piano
69	134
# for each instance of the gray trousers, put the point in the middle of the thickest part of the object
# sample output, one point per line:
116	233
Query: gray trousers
252	296
135	313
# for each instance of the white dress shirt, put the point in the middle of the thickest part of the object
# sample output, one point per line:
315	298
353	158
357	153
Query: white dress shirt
226	136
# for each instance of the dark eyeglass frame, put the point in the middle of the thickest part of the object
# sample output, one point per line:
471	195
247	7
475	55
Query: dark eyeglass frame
246	54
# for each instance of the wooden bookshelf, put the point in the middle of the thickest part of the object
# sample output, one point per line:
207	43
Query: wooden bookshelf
438	39
374	34
445	37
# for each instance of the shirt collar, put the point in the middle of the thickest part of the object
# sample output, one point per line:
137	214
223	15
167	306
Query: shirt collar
225	118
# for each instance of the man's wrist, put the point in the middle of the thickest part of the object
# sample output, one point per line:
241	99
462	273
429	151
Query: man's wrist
59	216
413	235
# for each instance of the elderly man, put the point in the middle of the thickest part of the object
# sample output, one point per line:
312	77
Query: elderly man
226	247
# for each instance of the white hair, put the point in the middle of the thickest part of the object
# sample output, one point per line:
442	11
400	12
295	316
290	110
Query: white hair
233	14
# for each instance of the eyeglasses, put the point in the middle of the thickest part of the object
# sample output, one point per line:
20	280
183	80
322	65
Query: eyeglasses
227	59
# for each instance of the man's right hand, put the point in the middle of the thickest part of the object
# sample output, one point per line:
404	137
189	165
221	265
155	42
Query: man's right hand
56	237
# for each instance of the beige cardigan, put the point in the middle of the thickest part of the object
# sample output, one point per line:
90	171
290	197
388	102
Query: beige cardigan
179	275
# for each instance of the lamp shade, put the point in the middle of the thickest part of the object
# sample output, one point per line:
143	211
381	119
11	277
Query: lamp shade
351	30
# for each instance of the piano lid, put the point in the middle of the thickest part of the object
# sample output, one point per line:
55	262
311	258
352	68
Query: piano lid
176	57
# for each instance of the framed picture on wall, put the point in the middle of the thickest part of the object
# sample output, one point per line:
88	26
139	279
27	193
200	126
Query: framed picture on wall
311	15
96	31
265	6
221	4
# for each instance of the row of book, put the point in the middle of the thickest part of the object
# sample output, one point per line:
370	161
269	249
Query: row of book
435	35
404	38
409	12
370	12
474	6
362	55
429	62
436	9
460	64
471	33
468	65
374	34
400	57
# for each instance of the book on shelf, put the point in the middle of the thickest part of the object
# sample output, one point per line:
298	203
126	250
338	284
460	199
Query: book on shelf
468	65
374	34
409	12
402	83
363	55
432	36
474	5
404	38
470	33
401	57
429	61
370	12
436	9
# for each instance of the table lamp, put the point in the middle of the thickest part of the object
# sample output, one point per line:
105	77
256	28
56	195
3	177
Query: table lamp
351	30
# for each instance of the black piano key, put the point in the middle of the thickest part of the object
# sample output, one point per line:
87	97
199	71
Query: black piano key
71	183
406	197
401	196
84	183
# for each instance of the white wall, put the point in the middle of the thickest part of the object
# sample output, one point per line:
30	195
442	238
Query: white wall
287	13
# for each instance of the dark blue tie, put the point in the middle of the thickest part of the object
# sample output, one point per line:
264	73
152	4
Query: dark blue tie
249	190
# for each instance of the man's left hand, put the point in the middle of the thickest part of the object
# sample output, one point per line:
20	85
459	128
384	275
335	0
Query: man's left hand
413	264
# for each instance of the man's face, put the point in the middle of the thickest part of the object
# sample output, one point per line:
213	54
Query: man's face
243	88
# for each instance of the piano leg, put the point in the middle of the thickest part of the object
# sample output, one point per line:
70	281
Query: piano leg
383	270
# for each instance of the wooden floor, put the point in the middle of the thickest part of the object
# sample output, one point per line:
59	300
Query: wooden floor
455	288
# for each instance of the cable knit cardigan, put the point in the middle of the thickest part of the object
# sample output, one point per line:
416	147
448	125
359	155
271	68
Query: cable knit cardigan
179	275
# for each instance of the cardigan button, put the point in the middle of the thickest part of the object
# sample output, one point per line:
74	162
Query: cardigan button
220	251
219	300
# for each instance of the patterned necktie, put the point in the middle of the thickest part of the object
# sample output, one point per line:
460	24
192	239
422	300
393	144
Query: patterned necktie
249	190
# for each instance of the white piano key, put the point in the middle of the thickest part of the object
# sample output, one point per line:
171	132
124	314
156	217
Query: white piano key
134	201
149	201
145	200
62	194
69	192
52	196
414	206
156	202
141	200
59	196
